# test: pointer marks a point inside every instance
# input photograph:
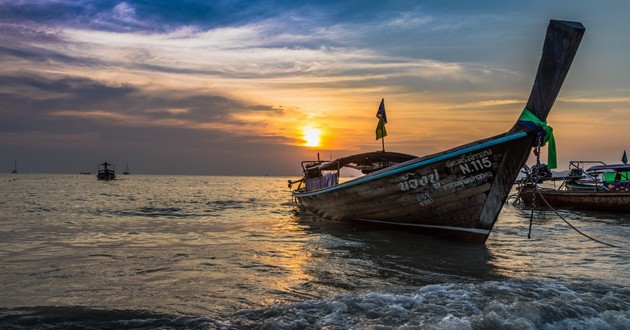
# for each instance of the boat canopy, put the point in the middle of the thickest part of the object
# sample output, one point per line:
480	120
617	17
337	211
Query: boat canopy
612	167
368	160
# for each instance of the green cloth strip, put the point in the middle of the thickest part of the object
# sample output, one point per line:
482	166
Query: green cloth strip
548	137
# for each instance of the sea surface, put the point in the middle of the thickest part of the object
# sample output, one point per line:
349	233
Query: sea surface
211	252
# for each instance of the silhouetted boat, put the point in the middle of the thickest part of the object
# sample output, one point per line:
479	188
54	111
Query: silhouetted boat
457	193
105	172
602	187
126	172
15	170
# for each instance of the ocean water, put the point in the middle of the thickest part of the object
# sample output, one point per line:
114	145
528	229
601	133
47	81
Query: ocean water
195	252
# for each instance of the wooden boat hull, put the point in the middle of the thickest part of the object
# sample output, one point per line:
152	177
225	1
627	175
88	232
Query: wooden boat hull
447	194
606	201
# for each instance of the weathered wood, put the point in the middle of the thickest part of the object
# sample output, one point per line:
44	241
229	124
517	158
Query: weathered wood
447	192
459	192
561	44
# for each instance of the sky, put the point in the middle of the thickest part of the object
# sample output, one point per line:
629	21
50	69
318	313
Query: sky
231	87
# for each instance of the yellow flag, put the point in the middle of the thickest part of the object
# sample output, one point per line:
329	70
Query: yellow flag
381	132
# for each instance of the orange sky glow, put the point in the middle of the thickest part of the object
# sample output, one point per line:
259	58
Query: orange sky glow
280	91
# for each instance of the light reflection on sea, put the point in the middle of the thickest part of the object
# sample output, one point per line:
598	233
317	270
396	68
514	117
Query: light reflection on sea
233	252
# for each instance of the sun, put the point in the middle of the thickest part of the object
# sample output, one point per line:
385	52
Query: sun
311	136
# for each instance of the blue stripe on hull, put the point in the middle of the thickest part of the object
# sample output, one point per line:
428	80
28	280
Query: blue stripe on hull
415	165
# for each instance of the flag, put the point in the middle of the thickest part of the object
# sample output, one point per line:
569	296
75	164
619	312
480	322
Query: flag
380	114
624	158
381	132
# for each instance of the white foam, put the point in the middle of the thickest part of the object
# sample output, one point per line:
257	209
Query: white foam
509	305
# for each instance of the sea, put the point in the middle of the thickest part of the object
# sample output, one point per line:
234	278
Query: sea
219	252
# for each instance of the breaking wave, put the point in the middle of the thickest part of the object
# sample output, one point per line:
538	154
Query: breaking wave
487	305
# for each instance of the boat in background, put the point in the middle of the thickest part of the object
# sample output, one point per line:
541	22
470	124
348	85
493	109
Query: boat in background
126	172
457	193
14	171
601	177
602	187
105	172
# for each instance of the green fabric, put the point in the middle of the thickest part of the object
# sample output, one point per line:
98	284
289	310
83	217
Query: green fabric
551	151
381	132
623	176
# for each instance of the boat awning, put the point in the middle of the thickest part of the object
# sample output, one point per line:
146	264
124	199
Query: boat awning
366	160
612	167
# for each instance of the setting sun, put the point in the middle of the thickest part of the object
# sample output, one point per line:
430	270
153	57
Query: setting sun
311	136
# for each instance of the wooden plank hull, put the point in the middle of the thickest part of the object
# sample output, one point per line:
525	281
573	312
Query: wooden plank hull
606	201
458	192
442	194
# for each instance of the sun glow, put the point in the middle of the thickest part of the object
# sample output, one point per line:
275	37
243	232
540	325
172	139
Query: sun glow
311	136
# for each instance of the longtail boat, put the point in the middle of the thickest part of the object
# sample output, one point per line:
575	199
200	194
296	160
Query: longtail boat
602	187
456	193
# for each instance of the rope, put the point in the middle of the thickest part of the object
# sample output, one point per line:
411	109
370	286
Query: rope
534	176
570	225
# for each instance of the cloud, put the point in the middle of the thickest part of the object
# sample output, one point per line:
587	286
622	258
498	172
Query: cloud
85	121
242	72
123	105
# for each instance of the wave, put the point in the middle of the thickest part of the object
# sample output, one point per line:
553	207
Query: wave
150	212
212	208
486	305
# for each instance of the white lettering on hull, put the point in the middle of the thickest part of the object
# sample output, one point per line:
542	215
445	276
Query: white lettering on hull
473	162
406	184
473	179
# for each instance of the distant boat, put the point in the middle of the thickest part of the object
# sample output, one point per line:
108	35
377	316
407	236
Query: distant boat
14	171
106	173
126	172
602	187
457	193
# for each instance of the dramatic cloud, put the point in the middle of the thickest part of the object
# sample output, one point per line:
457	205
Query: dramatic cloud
228	87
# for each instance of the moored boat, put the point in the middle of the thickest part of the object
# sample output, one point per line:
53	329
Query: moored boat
105	172
602	187
602	200
456	193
